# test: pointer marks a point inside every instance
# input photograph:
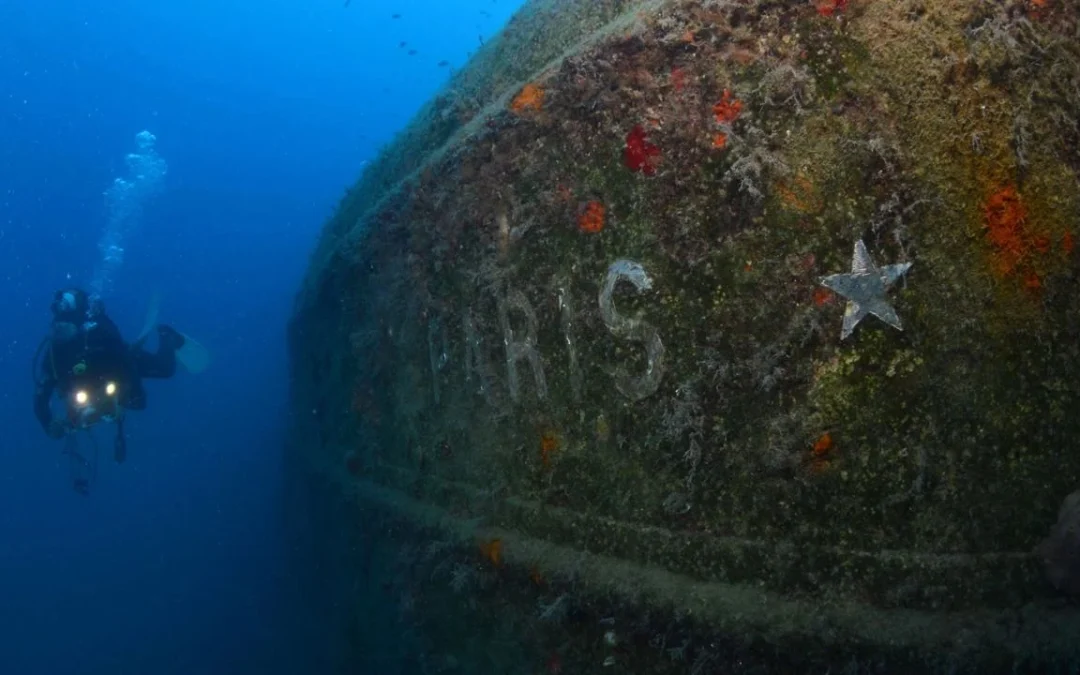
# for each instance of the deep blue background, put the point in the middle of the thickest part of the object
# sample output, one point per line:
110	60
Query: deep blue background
264	111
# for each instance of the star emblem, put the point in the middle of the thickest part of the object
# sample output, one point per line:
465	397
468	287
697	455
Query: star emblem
865	287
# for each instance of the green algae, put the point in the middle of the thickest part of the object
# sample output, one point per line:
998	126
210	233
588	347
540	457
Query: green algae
950	443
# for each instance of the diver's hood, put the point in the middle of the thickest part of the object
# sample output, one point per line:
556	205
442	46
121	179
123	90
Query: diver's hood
70	302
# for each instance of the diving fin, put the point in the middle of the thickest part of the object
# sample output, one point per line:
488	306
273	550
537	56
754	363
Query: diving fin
150	321
192	356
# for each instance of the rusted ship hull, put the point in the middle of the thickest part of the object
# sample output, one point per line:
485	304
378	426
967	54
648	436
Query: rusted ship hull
708	336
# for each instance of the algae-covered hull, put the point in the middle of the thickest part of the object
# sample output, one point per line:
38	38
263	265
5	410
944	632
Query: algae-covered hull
712	336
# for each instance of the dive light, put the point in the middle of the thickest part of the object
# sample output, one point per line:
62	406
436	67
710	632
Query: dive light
82	396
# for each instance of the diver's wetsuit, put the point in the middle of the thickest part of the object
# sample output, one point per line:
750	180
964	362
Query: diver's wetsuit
97	345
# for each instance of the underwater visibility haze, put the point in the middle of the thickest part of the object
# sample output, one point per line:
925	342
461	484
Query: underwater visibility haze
190	152
565	336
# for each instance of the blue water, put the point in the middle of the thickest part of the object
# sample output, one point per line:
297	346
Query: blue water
263	112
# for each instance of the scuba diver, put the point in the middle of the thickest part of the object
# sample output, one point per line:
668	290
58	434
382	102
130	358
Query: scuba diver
95	374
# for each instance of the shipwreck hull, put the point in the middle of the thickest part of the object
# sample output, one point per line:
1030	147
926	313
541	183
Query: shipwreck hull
687	336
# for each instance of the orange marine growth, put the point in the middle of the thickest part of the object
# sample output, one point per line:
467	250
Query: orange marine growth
536	576
1004	219
492	550
591	217
728	109
821	453
531	97
549	444
799	195
823	445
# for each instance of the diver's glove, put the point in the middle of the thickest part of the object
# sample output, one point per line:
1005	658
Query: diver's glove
57	430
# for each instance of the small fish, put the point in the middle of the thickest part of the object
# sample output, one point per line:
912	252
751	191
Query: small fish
401	44
412	52
396	16
443	63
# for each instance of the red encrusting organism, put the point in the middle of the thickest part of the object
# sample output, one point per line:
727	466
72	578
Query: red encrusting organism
640	154
1032	282
728	109
830	7
822	296
678	78
1037	9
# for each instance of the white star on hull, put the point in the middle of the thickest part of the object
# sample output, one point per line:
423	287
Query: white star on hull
865	287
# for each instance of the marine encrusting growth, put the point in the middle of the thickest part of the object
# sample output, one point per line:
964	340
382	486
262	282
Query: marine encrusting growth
587	344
